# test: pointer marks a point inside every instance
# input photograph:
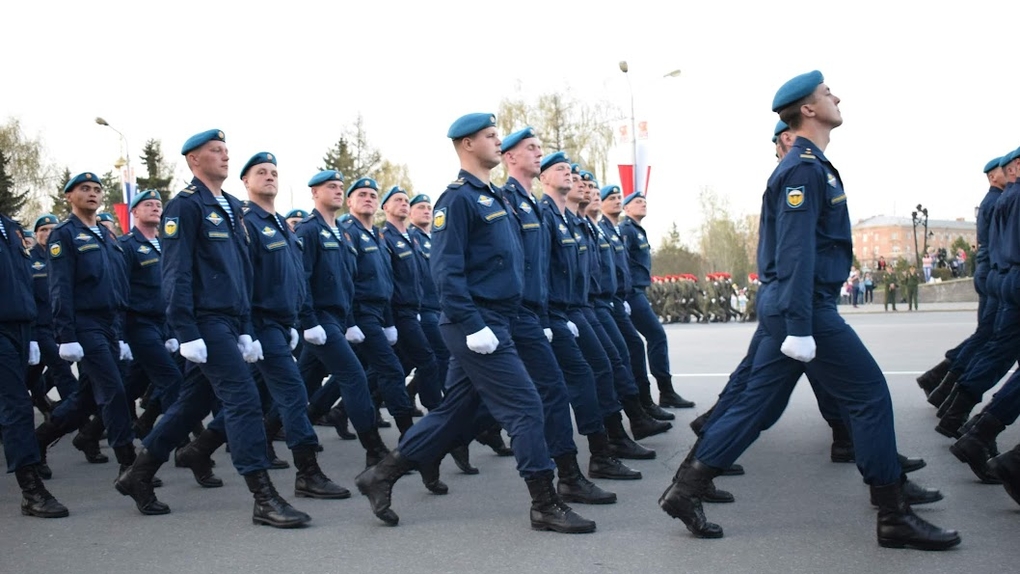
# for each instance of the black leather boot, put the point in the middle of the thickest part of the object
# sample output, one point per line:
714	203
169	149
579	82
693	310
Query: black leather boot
655	411
939	394
910	464
375	449
933	376
35	499
461	456
125	455
337	416
941	411
311	482
404	424
376	482
136	481
621	445
957	413
381	422
972	448
46	434
668	398
87	440
642	425
196	456
430	477
698	424
548	511
493	438
602	463
573	486
842	444
914	493
143	426
270	507
899	527
1006	467
683	498
275	462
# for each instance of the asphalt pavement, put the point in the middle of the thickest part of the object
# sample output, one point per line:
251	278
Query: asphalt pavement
795	512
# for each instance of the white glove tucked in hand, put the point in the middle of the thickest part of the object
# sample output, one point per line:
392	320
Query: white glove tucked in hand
391	335
247	348
316	335
33	353
572	328
125	352
71	352
626	308
483	342
294	338
256	353
548	334
195	351
799	348
172	345
354	335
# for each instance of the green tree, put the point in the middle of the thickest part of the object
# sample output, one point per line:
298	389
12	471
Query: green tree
11	200
60	206
725	243
159	174
354	156
672	257
27	167
389	174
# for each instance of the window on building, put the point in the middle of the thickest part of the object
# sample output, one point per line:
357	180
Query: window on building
895	236
896	249
875	250
865	237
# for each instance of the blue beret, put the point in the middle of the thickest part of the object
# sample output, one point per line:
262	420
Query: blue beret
296	213
261	157
83	177
469	124
144	195
1012	156
106	217
393	190
27	233
575	168
324	176
632	197
781	127
1004	160
45	219
553	159
421	198
795	89
992	164
363	182
517	137
198	140
608	190
587	175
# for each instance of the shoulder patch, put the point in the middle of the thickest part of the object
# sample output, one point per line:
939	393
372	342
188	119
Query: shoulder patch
170	228
795	196
439	219
55	249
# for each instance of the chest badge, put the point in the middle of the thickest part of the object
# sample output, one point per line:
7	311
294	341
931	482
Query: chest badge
83	237
268	231
144	249
831	178
485	200
563	229
214	218
38	265
525	207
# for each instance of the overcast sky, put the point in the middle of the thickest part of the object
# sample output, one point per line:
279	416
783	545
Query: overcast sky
928	92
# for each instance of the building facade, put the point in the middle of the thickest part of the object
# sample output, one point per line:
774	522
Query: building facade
893	237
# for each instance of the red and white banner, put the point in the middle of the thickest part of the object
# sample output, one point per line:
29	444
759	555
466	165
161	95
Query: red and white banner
630	151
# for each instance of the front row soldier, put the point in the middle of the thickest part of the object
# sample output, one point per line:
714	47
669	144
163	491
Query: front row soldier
478	266
805	215
18	350
208	277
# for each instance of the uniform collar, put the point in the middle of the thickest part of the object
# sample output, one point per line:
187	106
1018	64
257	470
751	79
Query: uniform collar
317	215
804	145
205	193
412	228
389	227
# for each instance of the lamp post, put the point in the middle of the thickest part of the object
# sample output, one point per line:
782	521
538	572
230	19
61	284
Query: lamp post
126	162
633	128
924	212
917	253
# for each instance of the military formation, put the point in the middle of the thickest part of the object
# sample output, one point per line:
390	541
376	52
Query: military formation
496	310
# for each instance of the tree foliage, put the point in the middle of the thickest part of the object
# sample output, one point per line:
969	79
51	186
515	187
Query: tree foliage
726	244
27	167
673	258
11	199
159	174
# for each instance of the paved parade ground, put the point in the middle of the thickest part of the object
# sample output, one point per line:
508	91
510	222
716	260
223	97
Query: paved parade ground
795	510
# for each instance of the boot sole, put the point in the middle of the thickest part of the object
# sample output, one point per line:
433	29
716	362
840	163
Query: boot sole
546	527
614	476
919	545
125	492
645	435
581	500
628	456
265	522
948	434
322	496
668	509
28	512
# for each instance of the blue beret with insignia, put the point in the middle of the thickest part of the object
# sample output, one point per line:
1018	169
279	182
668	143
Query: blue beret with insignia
300	213
393	190
781	127
575	168
632	197
608	190
198	140
421	198
553	159
363	182
587	175
469	124
106	217
992	164
45	219
517	137
261	157
145	195
81	178
795	89
324	176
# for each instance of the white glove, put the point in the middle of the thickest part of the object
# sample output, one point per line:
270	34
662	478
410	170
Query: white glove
626	308
256	352
125	352
33	353
195	351
172	345
294	337
483	342
71	352
354	335
391	335
799	348
548	334
316	335
418	316
247	347
573	328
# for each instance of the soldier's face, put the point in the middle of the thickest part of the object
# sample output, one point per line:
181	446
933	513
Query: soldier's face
365	200
612	205
421	214
86	197
262	180
594	207
329	195
997	178
212	160
637	207
527	156
826	107
42	235
484	145
148	211
397	206
577	189
558	177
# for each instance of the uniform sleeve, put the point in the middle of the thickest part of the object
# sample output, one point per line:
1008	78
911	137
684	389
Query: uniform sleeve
309	257
62	266
182	222
449	240
799	204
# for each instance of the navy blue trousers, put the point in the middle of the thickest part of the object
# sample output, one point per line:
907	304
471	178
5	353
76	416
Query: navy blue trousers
578	375
347	377
644	319
17	418
413	344
380	357
995	358
604	324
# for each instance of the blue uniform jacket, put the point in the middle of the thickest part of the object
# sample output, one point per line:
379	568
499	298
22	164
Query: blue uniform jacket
429	292
206	268
15	276
405	264
373	283
477	258
564	258
86	276
39	261
604	285
145	276
330	263
639	255
984	222
995	229
1009	244
535	242
279	273
624	286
